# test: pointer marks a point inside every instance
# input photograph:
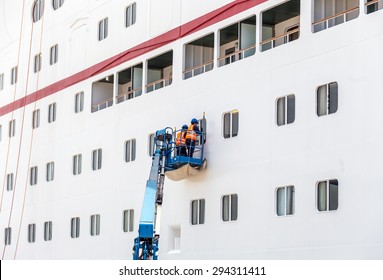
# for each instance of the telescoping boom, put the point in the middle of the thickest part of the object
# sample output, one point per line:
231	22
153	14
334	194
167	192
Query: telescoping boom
165	159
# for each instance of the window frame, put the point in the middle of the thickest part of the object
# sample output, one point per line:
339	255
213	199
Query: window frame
128	220
14	71
331	96
200	211
57	4
97	159
37	10
95	224
10	181
7	236
33	175
130	14
12	128
48	226
37	63
130	148
50	174
328	196
1	81
103	26
53	54
229	208
286	110
52	112
79	102
75	227
31	233
285	209
230	128
77	164
35	118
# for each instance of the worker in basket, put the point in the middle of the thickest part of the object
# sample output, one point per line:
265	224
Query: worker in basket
191	136
181	141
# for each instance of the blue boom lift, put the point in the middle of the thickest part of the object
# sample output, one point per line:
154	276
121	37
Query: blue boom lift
165	158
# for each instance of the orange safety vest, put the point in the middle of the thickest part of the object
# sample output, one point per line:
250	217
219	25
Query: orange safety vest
191	134
180	140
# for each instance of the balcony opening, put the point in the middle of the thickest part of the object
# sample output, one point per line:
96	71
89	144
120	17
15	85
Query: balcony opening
102	93
373	6
129	83
199	56
280	25
159	71
237	41
328	13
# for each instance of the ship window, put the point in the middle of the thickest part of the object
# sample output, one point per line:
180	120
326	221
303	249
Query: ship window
229	207
230	124
129	83
14	75
77	162
79	102
48	231
96	159
159	71
57	4
197	211
54	54
12	128
151	144
50	171
7	236
130	150
327	195
95	225
31	233
328	13
36	119
38	9
237	41
52	113
75	227
103	29
2	81
373	6
33	176
37	65
327	99
1	132
10	182
102	93
198	56
128	220
285	201
285	110
130	15
280	24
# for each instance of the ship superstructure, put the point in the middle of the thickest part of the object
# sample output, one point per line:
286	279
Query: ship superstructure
291	92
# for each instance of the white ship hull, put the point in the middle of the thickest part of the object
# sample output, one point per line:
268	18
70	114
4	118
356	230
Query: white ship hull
345	146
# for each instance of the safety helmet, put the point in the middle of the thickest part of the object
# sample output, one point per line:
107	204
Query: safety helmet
194	120
184	126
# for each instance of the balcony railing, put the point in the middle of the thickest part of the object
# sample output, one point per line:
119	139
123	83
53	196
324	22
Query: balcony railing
235	56
331	20
188	73
159	84
128	95
284	36
378	4
102	105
